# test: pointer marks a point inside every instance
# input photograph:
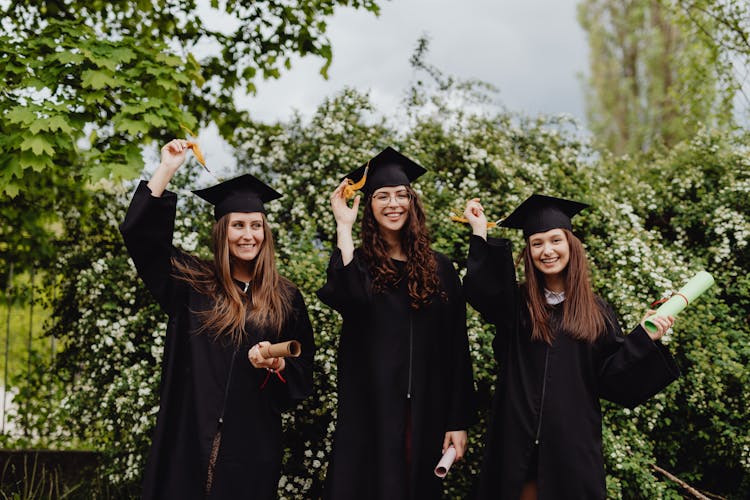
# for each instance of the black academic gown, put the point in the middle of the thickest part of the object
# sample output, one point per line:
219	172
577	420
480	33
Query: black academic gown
194	388
392	359
546	401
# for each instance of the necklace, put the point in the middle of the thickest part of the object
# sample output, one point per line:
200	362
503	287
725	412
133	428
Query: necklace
247	285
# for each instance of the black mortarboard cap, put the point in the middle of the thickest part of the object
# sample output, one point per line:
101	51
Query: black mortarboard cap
240	194
540	213
387	168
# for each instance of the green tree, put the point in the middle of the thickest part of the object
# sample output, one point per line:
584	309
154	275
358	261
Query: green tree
113	331
86	84
654	220
659	70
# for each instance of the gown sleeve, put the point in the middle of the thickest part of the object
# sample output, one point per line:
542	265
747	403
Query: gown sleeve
632	368
462	406
147	230
297	371
490	281
347	287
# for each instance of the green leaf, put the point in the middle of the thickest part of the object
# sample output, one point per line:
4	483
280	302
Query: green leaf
132	127
37	163
68	57
11	189
21	114
16	69
168	59
52	124
38	144
154	120
193	62
59	122
96	79
122	54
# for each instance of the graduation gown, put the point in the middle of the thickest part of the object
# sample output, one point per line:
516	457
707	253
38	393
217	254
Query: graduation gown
195	385
394	364
546	402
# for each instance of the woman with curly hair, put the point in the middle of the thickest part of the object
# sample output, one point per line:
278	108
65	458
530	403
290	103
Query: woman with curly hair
405	386
218	430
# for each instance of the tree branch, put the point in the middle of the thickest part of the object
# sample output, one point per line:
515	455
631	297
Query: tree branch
683	484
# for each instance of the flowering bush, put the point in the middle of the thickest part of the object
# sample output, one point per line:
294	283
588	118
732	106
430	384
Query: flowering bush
653	222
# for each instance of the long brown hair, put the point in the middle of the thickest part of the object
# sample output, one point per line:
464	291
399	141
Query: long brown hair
421	265
583	317
271	293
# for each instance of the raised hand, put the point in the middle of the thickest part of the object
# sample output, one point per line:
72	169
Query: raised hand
474	213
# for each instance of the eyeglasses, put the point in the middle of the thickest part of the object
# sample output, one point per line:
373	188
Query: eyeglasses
401	198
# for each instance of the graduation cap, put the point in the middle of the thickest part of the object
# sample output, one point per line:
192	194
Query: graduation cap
539	213
387	168
240	194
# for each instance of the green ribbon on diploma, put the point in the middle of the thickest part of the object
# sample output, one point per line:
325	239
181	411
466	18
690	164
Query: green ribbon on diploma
680	300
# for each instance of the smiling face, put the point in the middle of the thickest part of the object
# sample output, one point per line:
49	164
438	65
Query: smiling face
245	235
390	207
550	253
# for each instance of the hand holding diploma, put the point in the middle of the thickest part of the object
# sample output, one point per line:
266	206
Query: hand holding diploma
271	356
454	447
662	324
445	463
698	284
289	349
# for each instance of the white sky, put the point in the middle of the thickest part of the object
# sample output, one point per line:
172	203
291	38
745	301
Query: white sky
531	50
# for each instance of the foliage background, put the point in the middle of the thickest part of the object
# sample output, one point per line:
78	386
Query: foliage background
79	100
653	223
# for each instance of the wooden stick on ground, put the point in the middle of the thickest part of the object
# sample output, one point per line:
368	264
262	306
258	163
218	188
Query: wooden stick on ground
683	484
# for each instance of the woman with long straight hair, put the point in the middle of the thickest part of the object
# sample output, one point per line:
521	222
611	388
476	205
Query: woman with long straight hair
218	430
405	385
559	349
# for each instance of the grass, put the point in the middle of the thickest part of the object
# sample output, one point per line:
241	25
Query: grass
21	322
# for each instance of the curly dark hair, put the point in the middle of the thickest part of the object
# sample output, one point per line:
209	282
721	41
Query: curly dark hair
421	265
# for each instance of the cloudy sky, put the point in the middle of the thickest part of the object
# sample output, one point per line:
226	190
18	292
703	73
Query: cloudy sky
533	51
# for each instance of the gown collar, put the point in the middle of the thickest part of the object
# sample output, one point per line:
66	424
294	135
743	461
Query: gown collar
554	298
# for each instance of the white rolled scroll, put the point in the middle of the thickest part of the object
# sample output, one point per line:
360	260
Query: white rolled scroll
445	463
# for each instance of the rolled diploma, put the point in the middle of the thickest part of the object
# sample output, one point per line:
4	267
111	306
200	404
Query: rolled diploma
698	284
445	463
289	349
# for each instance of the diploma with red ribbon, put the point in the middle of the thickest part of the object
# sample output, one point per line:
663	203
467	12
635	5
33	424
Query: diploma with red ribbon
698	284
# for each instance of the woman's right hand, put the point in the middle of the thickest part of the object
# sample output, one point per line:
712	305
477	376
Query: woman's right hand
345	215
474	213
345	218
173	153
172	156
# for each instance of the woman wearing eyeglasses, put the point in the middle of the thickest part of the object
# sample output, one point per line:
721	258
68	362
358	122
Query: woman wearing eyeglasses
405	387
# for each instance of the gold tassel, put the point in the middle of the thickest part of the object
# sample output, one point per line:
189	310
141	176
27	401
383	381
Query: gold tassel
352	187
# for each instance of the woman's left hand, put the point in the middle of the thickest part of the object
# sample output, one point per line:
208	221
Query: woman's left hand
258	361
663	323
458	439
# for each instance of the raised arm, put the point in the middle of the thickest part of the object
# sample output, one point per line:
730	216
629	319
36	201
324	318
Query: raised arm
347	288
345	219
490	282
172	156
149	225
